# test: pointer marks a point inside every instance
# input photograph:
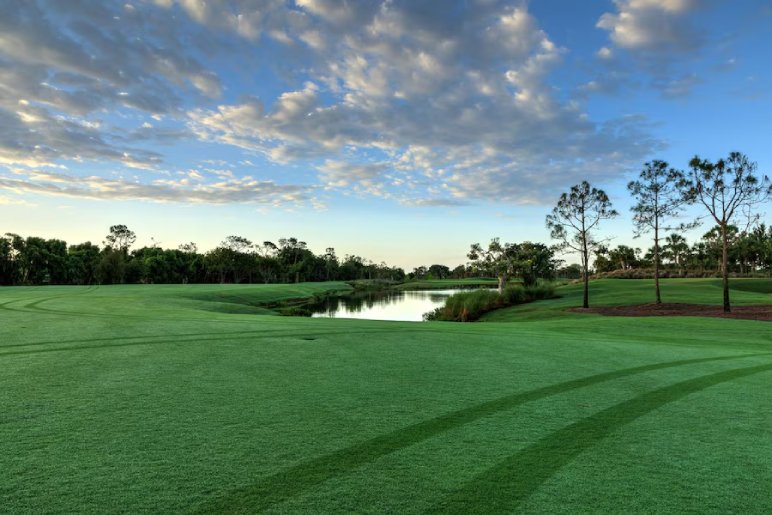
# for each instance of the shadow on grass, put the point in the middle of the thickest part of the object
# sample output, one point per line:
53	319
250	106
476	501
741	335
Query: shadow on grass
504	486
287	483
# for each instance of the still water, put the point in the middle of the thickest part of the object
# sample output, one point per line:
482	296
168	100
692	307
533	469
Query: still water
391	305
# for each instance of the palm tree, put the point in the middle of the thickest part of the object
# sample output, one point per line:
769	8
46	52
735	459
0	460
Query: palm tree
677	250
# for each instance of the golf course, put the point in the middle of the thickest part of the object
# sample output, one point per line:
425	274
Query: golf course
202	399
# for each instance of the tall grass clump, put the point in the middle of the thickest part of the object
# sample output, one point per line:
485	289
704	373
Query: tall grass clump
469	306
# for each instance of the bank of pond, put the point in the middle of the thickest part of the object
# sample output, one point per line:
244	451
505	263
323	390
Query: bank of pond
464	303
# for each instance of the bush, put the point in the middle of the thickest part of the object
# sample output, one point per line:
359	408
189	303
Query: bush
470	306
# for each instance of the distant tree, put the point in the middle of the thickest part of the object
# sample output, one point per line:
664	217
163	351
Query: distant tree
495	260
268	265
439	272
676	249
658	196
188	248
16	248
82	262
419	272
459	272
727	189
120	238
573	220
219	264
188	262
534	261
32	259
331	264
700	257
759	245
572	271
624	257
529	261
292	253
353	268
602	262
111	267
235	256
8	268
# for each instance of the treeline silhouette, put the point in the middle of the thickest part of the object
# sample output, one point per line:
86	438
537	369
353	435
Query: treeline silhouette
38	261
749	253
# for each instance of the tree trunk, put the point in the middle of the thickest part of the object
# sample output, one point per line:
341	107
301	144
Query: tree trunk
502	283
656	264
586	267
725	268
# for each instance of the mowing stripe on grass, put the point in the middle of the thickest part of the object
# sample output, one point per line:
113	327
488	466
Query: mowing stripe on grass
504	486
215	338
292	481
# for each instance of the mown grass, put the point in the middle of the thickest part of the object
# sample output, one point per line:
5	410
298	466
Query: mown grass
753	285
620	292
444	284
158	399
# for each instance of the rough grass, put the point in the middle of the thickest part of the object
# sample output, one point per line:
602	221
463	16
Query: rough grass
471	305
159	399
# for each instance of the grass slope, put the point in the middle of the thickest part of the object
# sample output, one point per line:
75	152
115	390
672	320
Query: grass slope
446	284
166	398
619	292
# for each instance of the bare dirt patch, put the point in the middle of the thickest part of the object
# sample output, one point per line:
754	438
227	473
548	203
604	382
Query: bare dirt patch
758	312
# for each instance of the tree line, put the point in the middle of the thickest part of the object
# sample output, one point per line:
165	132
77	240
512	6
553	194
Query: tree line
728	190
750	252
37	261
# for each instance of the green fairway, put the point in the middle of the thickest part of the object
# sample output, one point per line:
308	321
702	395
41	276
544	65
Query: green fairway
197	398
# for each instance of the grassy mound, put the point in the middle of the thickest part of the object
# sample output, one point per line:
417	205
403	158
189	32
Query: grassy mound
612	292
753	285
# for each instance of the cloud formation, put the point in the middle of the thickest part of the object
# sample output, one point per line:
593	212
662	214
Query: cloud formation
658	35
652	26
454	103
401	99
190	189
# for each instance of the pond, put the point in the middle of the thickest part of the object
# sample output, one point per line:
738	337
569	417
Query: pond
406	306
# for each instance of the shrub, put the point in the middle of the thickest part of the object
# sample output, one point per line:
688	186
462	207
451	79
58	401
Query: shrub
470	306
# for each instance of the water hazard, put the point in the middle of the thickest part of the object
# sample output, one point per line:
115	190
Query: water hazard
385	305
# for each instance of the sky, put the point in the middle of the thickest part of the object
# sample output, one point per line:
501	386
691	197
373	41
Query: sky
398	130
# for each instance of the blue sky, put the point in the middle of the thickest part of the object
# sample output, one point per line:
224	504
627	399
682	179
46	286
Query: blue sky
401	131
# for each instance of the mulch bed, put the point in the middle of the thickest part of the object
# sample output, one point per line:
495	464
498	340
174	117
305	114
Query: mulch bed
759	312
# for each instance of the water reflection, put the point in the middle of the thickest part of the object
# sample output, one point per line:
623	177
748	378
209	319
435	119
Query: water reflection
389	305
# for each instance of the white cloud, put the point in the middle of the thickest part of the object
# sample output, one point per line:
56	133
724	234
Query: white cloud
466	95
223	191
605	53
658	37
403	99
652	25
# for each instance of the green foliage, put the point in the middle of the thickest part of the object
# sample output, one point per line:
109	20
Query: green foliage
36	261
573	221
728	189
470	306
527	261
